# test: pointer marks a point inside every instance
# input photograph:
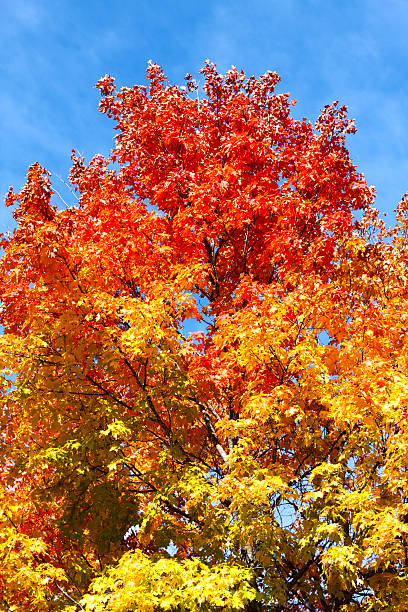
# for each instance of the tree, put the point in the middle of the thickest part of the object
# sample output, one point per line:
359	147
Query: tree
204	366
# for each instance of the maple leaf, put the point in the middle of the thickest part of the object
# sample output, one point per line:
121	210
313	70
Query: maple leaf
203	366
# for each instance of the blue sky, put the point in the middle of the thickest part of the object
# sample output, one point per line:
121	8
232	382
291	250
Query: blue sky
52	53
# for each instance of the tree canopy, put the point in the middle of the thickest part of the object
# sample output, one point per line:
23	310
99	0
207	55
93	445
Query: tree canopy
204	366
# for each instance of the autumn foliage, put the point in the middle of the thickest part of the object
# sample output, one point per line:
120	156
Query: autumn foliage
204	366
